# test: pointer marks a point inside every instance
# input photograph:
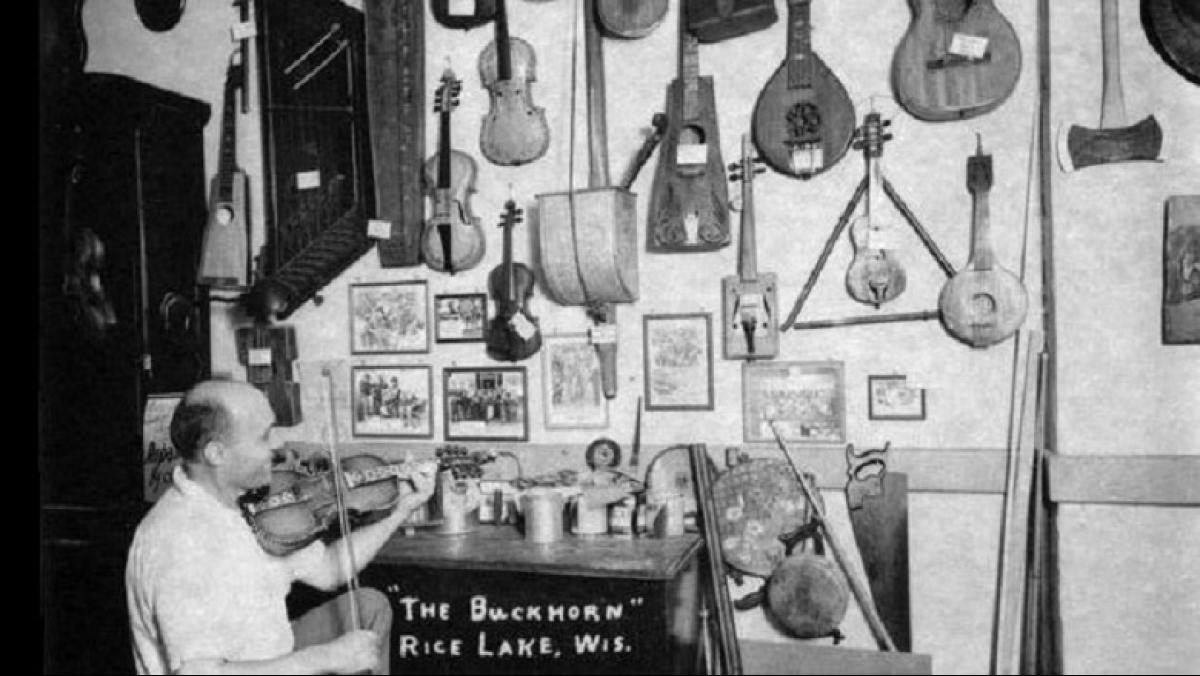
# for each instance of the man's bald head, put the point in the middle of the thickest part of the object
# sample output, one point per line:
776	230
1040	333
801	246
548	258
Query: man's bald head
209	411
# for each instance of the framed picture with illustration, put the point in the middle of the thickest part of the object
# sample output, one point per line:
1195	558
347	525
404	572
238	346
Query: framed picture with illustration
805	399
573	392
677	349
891	398
392	401
460	317
389	317
485	404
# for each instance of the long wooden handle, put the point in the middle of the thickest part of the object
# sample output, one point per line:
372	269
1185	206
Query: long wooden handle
340	499
597	125
1112	105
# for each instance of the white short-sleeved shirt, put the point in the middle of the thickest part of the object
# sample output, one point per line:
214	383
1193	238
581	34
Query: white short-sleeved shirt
199	586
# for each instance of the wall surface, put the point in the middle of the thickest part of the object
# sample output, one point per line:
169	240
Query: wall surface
1130	603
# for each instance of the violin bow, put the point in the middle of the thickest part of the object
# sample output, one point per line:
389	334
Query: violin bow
343	520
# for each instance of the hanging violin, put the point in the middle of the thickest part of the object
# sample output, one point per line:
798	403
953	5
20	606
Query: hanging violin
514	131
513	334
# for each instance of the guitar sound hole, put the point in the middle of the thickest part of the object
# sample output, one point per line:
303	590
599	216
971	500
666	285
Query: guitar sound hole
691	134
983	304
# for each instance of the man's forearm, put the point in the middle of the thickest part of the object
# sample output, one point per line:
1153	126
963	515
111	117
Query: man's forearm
368	540
311	660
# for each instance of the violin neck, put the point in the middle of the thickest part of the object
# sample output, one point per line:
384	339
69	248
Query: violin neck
443	165
503	53
509	293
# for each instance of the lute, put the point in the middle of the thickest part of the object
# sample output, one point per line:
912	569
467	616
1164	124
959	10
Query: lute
513	334
803	119
453	239
751	325
514	131
225	252
983	303
958	59
688	200
875	276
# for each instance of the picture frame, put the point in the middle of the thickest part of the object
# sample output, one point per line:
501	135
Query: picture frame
806	399
891	398
392	401
572	387
460	317
485	403
678	361
389	317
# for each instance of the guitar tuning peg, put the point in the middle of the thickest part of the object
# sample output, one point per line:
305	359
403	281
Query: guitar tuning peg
733	166
887	137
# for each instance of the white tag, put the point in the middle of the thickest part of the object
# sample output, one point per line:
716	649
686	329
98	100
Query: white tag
604	333
379	229
243	30
751	301
306	180
807	159
970	46
461	7
692	153
259	356
524	328
691	227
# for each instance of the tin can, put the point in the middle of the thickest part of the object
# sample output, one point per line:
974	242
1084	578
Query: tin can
621	515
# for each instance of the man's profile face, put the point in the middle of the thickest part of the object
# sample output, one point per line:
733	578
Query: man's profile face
249	442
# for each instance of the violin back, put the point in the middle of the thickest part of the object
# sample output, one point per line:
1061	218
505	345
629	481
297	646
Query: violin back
514	131
717	20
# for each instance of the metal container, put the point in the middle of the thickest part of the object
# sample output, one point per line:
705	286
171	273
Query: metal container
543	516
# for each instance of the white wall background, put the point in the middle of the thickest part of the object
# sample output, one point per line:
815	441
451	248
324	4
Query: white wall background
1131	601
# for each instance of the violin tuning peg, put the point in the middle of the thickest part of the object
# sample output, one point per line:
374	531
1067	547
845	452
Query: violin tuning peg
760	170
734	166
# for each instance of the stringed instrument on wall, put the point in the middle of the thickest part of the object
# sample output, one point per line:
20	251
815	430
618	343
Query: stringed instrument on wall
630	19
463	14
225	251
268	353
514	131
875	276
749	298
958	59
688	209
983	303
804	119
513	334
453	239
1173	29
717	20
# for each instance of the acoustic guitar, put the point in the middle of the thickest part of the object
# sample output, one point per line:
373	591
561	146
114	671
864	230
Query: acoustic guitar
463	14
514	131
1173	29
630	19
688	200
875	276
513	334
225	251
751	324
983	303
804	119
958	59
453	239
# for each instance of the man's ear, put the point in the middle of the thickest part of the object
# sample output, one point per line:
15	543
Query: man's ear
215	452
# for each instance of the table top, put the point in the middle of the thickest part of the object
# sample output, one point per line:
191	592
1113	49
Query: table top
504	548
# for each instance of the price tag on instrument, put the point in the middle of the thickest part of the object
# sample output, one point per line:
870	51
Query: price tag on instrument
307	180
259	356
971	46
691	227
243	30
751	301
692	153
461	7
524	328
379	229
603	334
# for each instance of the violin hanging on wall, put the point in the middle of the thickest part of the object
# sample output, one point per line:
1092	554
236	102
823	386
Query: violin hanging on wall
513	334
268	353
514	131
453	239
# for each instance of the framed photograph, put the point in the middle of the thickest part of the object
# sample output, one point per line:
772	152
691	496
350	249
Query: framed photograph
574	394
389	317
891	398
678	360
460	317
807	401
392	401
483	404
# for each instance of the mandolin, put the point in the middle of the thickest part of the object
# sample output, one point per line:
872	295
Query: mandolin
717	20
514	130
804	119
957	60
630	18
875	276
983	303
688	200
225	252
1173	29
453	239
513	334
463	14
749	298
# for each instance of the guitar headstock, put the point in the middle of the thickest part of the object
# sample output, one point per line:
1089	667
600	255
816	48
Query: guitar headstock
749	165
871	136
446	98
512	214
979	169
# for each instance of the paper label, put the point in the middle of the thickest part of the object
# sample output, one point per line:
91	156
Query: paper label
524	328
970	46
158	455
691	227
307	180
243	30
692	153
461	7
259	356
379	229
751	301
604	333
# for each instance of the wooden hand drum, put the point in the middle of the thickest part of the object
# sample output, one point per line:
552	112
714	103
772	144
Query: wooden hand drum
758	501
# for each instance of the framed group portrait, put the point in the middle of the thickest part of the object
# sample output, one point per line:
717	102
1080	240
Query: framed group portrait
392	401
389	317
805	400
483	404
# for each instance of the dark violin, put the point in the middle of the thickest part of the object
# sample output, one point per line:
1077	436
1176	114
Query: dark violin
297	507
514	131
268	352
513	334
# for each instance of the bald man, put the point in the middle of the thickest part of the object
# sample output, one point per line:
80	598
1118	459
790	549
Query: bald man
204	597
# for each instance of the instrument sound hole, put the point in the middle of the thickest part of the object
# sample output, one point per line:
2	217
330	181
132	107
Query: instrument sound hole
983	304
691	134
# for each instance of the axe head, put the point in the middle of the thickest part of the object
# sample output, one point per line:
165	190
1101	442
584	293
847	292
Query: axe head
1081	147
